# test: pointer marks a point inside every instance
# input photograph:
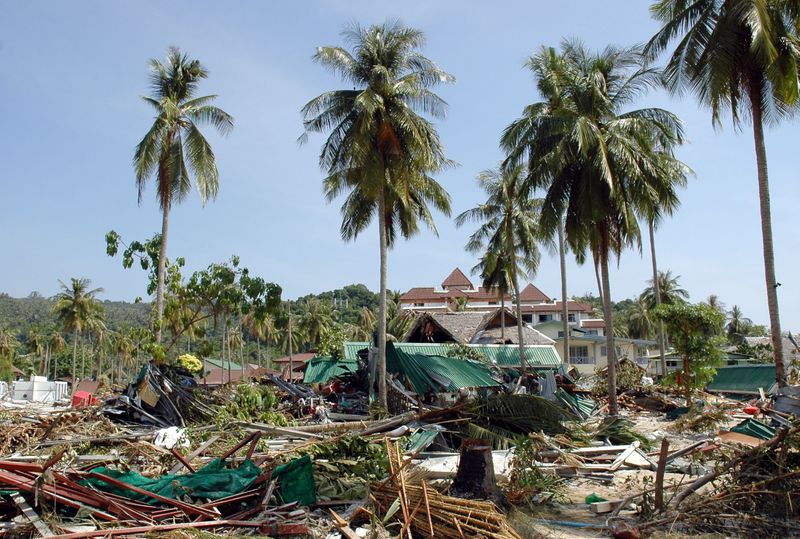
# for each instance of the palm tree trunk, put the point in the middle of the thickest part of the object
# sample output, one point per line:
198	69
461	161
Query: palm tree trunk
258	351
597	276
382	302
291	362
74	360
657	289
687	380
766	235
83	361
162	263
564	302
226	346
608	315
503	317
522	359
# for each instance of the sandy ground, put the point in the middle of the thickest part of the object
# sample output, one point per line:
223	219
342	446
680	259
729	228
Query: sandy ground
625	483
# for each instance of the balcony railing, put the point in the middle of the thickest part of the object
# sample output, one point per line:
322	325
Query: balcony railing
582	360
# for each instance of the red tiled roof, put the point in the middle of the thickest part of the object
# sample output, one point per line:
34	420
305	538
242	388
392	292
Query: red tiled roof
430	294
456	279
531	293
593	323
556	307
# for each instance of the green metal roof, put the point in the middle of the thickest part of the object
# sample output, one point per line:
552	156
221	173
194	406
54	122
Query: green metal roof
504	355
434	373
743	379
223	364
322	369
751	427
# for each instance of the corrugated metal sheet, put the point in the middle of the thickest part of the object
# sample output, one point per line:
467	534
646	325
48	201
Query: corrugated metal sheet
437	373
743	379
541	356
222	364
322	369
751	427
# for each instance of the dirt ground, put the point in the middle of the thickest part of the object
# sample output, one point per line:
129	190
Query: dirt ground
625	483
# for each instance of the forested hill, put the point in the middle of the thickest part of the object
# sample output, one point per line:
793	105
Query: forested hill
23	314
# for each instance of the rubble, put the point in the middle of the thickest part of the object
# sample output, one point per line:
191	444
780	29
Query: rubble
280	458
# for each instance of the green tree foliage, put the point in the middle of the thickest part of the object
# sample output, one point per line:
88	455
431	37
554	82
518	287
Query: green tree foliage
696	334
77	310
381	152
669	289
740	56
331	342
507	236
738	326
174	149
600	165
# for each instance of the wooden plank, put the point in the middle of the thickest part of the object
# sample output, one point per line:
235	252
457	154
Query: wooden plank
32	516
196	453
343	526
623	456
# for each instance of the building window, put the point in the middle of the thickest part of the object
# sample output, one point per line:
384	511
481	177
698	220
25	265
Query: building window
545	317
590	332
580	355
492	303
560	334
571	317
672	363
419	304
527	318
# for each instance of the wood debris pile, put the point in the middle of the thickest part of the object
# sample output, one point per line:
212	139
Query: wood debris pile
427	512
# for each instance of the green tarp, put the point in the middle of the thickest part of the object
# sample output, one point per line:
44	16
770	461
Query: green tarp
212	482
745	379
296	481
504	355
437	373
320	370
751	427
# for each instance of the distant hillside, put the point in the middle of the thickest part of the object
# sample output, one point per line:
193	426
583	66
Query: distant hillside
22	314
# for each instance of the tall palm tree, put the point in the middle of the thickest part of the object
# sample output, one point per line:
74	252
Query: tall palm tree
55	344
35	341
315	320
599	164
366	323
507	236
665	289
737	326
742	56
77	309
381	152
174	149
640	323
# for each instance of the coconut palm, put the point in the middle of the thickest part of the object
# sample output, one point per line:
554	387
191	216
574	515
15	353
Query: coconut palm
507	234
77	309
738	325
55	344
714	302
640	323
315	320
598	164
669	290
35	341
381	152
174	149
740	56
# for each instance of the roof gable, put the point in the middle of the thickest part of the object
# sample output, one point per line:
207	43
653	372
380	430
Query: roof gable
457	279
531	293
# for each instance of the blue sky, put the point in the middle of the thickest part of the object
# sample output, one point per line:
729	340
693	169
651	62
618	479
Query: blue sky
71	74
